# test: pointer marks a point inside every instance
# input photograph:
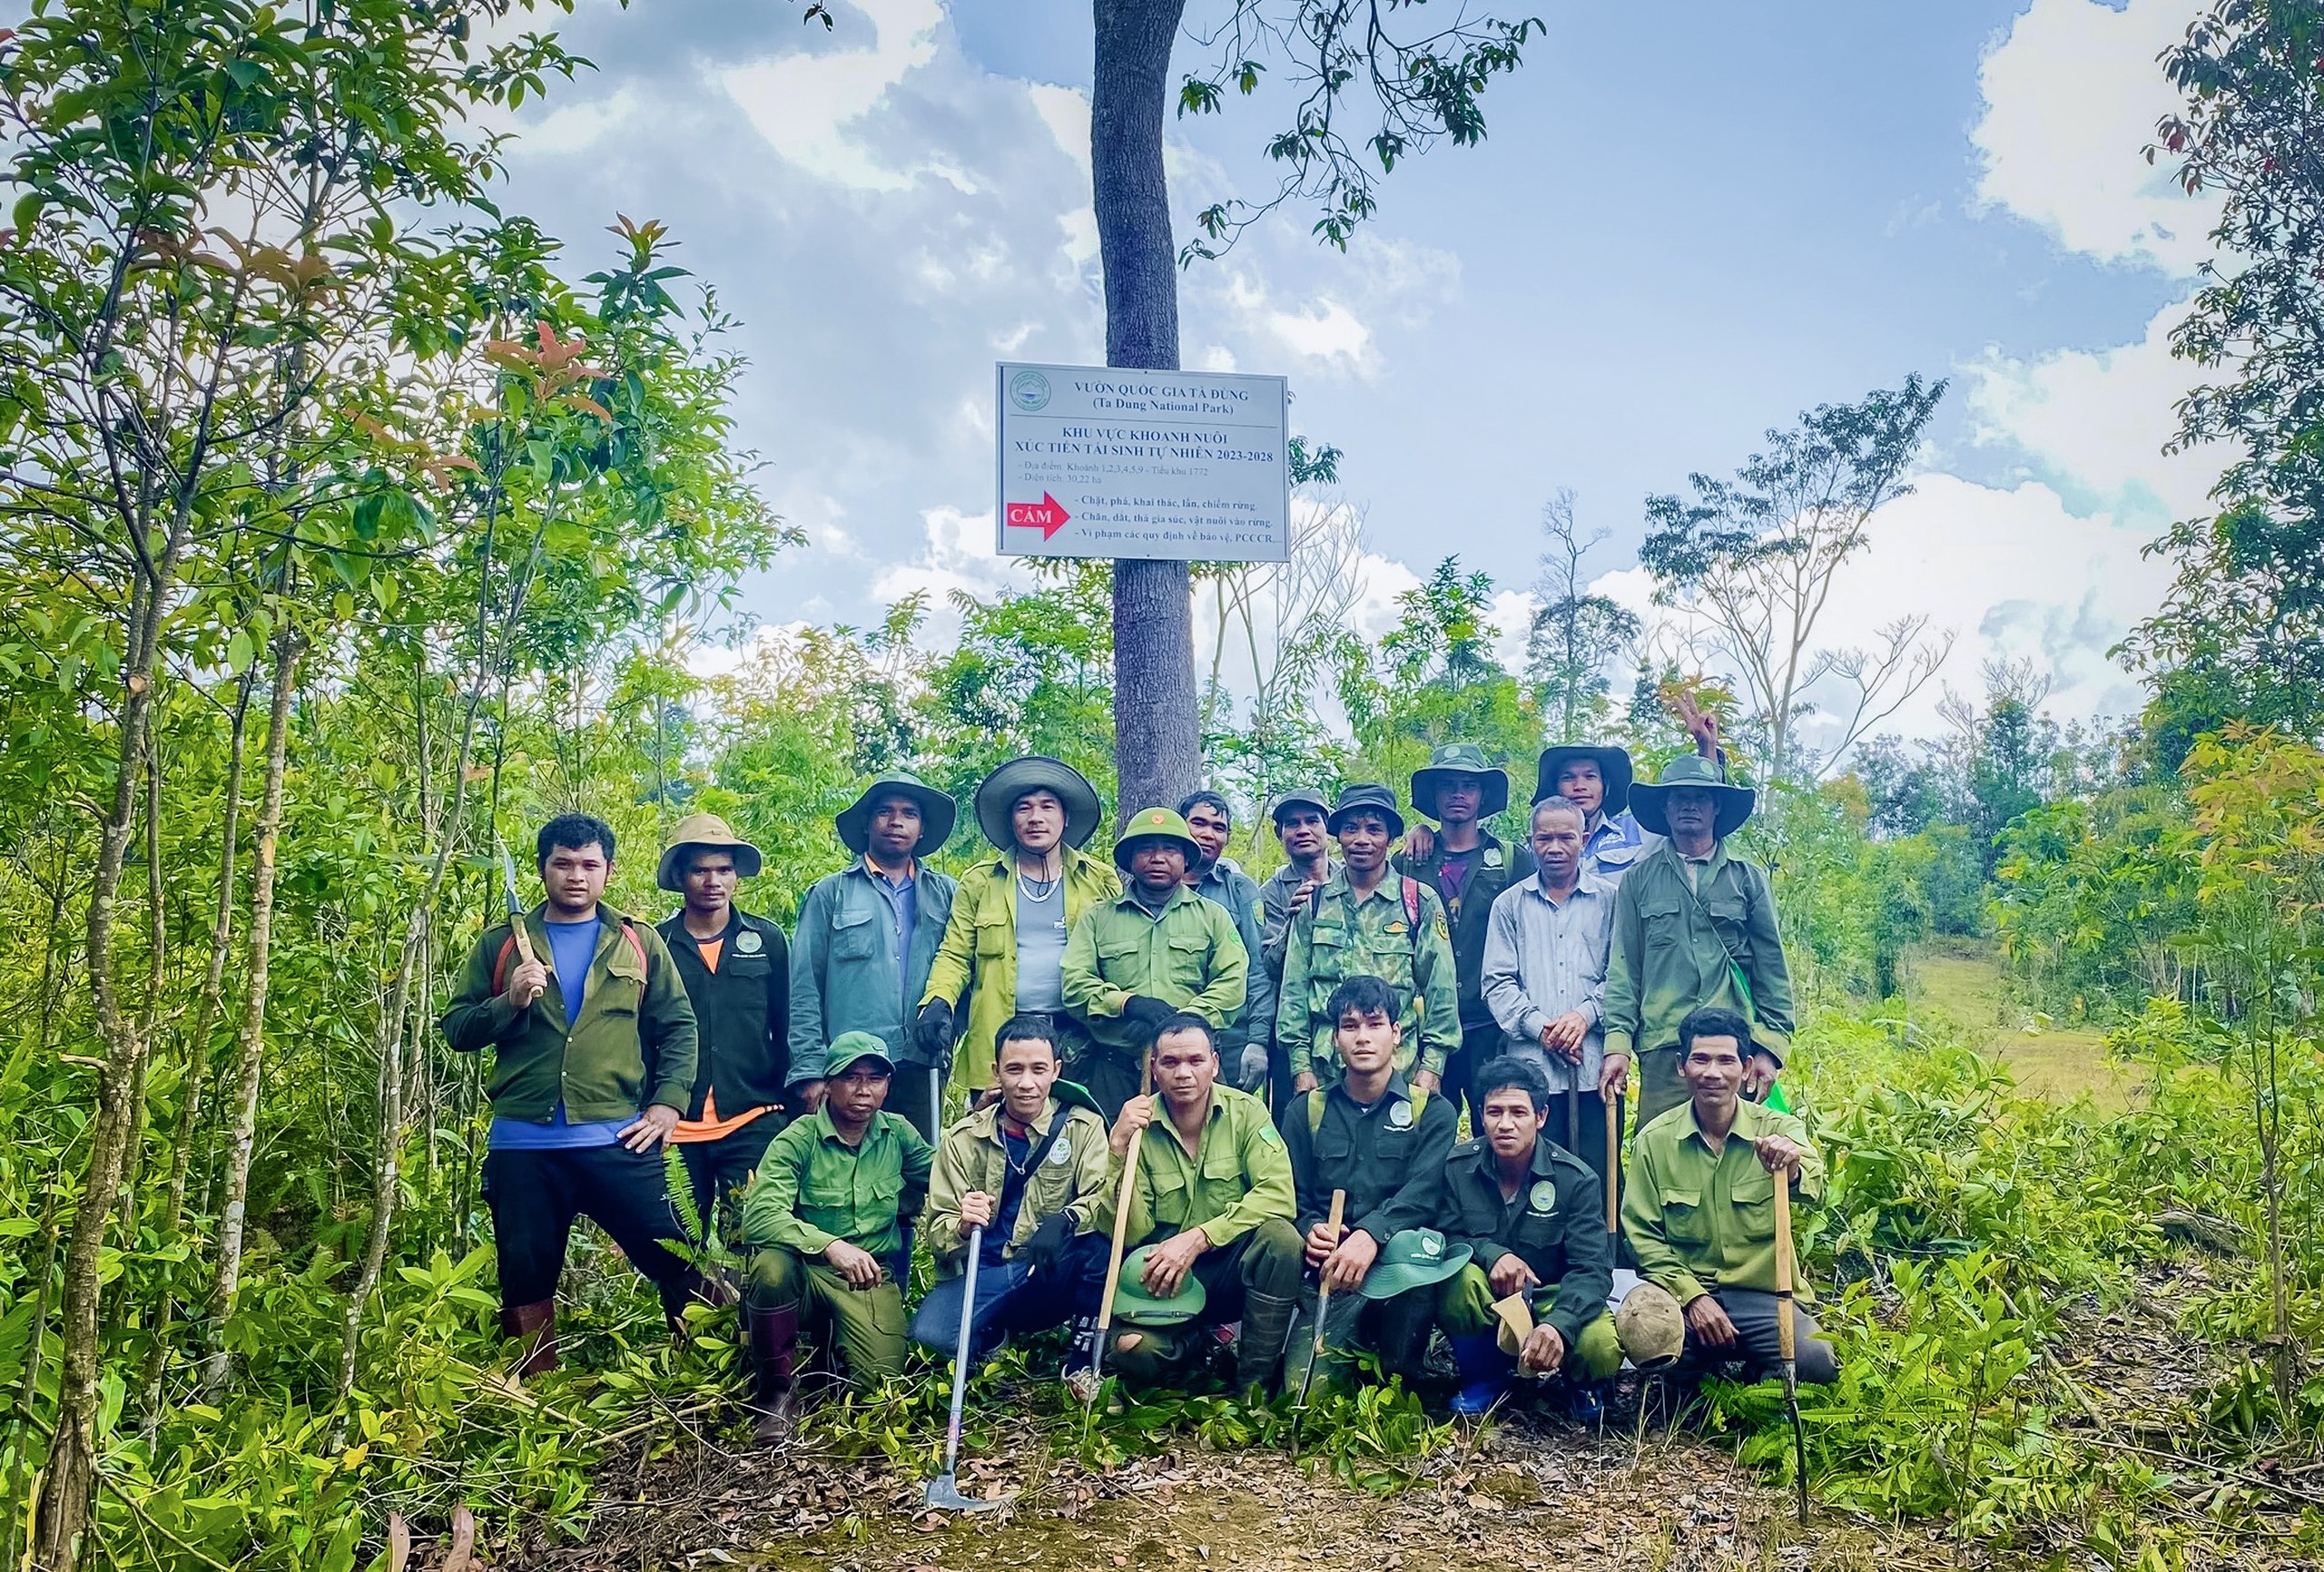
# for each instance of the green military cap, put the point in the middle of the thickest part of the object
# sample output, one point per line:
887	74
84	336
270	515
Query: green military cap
851	1048
1154	824
1650	805
702	832
1415	1257
1136	1307
1299	797
1371	799
1460	758
1651	1328
938	812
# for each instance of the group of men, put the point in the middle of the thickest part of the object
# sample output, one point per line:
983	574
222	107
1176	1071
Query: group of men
1252	1091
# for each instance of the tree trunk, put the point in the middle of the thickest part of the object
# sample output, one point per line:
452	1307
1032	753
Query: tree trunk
1158	745
251	1044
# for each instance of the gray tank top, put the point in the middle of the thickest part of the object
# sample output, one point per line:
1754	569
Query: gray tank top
1041	945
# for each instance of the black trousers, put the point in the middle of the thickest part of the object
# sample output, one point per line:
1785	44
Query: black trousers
1757	1345
1479	1043
717	1172
535	1195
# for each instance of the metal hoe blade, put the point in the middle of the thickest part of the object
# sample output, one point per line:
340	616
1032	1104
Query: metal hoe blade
944	1490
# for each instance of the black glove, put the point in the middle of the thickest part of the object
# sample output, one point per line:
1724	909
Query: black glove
1147	1012
1047	1241
934	1030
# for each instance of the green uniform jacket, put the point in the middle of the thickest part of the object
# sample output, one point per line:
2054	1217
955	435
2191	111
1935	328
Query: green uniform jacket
1556	1224
1698	1222
1237	1177
971	1156
634	1043
980	948
1337	936
1190	956
814	1188
1677	950
1387	1157
1493	869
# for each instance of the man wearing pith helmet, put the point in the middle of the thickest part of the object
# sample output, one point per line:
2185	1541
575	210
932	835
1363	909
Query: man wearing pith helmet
738	978
1004	950
1140	958
868	937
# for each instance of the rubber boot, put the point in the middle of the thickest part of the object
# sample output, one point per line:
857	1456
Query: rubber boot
537	1323
774	1352
1266	1332
1585	1401
1484	1372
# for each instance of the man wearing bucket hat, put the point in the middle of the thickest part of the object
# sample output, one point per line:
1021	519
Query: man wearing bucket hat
1299	816
1140	958
738	978
1597	780
1370	922
1381	1143
824	1220
1694	927
1468	867
868	937
1004	949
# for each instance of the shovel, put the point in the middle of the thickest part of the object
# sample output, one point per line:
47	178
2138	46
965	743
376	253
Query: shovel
944	1490
1786	1343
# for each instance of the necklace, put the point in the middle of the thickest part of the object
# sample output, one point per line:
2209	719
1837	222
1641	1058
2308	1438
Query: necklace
1038	890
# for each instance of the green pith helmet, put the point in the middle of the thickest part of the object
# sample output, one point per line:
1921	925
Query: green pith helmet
1650	805
1415	1257
1460	758
1136	1307
938	812
1154	824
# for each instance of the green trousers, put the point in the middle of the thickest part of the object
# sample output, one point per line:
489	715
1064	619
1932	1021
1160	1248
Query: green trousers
1464	1309
1266	1260
866	1324
1396	1330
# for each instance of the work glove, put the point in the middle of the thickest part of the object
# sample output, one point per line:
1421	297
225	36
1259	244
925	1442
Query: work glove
1147	1012
1252	1071
933	1031
1047	1241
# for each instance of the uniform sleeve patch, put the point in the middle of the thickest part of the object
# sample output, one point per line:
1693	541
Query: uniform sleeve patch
1270	1134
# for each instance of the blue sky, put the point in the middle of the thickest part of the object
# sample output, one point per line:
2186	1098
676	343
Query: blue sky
1688	222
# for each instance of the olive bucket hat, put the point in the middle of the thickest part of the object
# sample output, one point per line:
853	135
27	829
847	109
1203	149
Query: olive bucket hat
1377	799
1299	797
997	797
938	812
1414	1258
1613	768
1154	824
702	832
1135	1306
1449	763
1650	805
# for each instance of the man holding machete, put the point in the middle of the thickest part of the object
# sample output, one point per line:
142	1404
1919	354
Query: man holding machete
593	1063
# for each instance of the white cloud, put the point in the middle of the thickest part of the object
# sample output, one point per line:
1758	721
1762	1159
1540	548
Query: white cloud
957	553
577	126
805	105
2072	96
1066	111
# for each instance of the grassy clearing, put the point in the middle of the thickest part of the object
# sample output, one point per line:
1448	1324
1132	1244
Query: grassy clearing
1962	981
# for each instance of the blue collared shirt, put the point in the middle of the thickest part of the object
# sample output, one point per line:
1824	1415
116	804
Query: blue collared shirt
1544	957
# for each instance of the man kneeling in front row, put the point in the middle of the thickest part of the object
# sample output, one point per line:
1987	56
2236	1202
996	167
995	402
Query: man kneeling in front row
1700	1213
1031	1171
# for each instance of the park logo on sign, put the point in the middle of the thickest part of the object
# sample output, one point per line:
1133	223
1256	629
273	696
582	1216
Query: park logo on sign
748	942
1029	391
1545	1197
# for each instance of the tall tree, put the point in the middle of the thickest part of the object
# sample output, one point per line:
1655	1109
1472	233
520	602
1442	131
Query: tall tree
1575	633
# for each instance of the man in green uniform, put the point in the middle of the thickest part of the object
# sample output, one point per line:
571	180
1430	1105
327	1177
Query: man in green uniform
1138	959
1533	1217
1212	1200
1694	928
1700	1210
1299	816
824	1220
1384	1142
1366	923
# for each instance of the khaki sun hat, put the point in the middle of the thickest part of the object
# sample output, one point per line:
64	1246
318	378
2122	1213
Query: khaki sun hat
702	832
997	797
1651	1328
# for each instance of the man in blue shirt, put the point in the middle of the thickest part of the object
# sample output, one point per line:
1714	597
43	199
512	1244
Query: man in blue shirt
1213	876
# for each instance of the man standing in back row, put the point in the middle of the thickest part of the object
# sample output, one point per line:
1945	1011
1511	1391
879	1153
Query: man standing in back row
1243	1045
1300	816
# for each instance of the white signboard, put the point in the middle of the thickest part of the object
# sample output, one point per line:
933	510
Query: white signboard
1186	466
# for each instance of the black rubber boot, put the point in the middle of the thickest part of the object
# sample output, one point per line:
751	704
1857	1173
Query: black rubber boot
1266	1332
536	1323
774	1352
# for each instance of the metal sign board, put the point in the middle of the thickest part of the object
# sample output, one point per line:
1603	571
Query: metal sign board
1184	466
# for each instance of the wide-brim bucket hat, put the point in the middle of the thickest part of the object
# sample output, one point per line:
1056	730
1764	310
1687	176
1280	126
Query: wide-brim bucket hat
1649	804
702	832
1414	1258
1613	767
1134	1305
1450	761
1377	799
997	796
938	812
1154	824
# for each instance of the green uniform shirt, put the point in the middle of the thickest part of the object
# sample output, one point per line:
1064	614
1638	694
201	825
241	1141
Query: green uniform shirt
1338	936
1555	1223
1678	947
1190	956
1237	1177
814	1188
1696	1222
1386	1157
971	1155
633	1045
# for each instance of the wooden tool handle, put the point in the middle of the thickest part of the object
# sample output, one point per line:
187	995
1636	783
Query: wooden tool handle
524	935
1323	1290
1121	1212
1613	1163
1786	1347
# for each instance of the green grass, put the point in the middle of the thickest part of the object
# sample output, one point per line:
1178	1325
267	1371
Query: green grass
1963	979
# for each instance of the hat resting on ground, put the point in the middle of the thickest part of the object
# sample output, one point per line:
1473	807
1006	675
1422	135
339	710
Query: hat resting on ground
1650	805
1154	824
851	1048
998	793
1379	799
1453	760
1651	1328
702	832
1299	797
1135	1306
938	812
1613	768
1414	1258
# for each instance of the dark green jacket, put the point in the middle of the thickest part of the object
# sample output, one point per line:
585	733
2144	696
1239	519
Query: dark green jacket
634	1043
741	1012
1385	1157
1494	869
1556	1224
1677	948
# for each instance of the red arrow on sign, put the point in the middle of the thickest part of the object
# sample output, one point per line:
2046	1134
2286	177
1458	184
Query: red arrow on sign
1048	515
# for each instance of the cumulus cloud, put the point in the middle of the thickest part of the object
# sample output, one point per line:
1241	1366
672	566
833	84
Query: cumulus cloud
812	107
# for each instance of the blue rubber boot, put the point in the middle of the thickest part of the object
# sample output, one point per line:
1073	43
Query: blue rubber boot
1484	1373
1585	1401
